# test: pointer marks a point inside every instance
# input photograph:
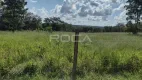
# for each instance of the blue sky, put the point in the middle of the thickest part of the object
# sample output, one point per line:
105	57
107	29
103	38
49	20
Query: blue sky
81	12
47	4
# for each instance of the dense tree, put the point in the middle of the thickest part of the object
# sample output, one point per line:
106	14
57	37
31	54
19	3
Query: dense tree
56	23
120	27
32	22
134	12
0	2
130	27
13	13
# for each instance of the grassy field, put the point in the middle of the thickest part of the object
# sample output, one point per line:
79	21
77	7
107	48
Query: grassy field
32	56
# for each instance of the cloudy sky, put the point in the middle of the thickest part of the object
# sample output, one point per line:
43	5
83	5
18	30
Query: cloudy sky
81	12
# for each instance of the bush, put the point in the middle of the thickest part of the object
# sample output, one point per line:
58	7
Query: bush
30	69
49	29
3	72
133	64
51	69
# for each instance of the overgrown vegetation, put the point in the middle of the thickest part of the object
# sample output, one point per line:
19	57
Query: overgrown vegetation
31	55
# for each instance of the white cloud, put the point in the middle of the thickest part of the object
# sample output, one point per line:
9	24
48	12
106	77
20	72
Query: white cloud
85	8
121	18
92	10
43	13
33	10
120	8
33	1
87	12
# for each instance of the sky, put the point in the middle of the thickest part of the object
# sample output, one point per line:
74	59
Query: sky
81	12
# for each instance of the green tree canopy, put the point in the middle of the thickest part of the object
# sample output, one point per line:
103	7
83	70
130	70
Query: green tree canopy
32	21
134	12
13	13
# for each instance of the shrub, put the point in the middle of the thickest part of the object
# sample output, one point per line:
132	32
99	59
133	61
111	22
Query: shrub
49	29
51	69
133	64
4	72
30	69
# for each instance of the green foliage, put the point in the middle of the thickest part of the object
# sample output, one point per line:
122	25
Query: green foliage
134	12
0	3
133	64
31	55
131	27
57	24
13	13
49	28
32	22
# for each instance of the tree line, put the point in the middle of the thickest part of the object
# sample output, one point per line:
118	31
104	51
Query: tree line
14	16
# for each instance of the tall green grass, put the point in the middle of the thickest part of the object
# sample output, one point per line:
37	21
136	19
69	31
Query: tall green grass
32	56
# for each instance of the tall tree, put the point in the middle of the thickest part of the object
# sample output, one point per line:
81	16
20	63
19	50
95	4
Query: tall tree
32	22
13	13
0	2
0	8
134	12
55	22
